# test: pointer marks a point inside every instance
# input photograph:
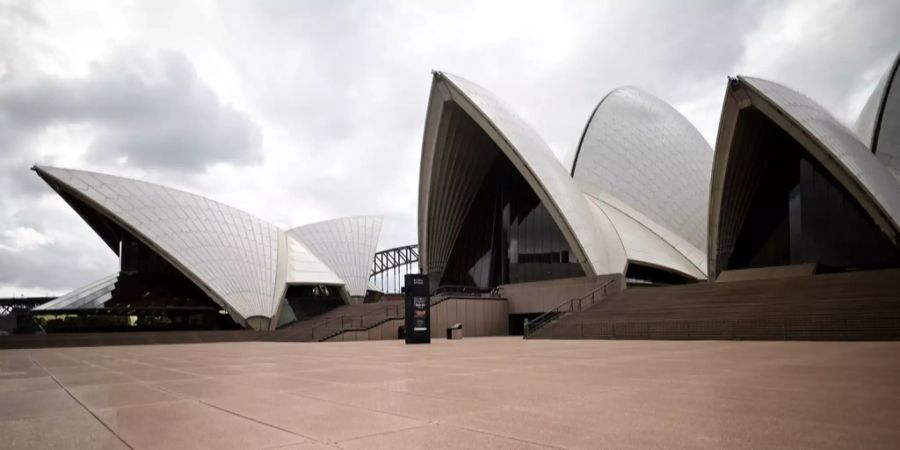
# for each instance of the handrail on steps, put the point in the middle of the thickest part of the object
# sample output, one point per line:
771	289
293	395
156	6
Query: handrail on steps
570	305
352	322
359	321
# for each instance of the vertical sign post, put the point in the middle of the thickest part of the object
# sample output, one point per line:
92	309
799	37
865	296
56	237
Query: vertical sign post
418	309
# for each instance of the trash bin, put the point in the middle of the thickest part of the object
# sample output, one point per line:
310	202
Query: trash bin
455	331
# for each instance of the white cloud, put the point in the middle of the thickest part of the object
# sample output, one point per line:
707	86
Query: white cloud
303	111
21	239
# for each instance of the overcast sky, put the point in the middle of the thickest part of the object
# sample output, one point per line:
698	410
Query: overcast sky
300	111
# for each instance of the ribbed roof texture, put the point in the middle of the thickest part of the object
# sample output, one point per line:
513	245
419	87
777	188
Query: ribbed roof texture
346	245
243	262
639	150
878	124
640	186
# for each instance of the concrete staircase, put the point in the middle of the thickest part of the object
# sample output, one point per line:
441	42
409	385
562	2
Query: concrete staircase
847	306
331	323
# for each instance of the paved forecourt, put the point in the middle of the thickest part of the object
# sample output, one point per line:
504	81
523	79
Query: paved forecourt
475	393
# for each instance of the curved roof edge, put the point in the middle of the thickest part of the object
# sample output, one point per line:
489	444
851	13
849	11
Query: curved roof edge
521	144
146	209
304	266
587	125
634	138
868	123
831	143
690	262
243	263
51	178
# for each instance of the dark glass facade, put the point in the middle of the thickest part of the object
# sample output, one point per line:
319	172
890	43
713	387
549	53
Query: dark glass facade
508	236
308	301
800	214
640	274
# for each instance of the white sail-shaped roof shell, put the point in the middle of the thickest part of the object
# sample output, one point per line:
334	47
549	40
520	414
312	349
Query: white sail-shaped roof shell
346	245
230	254
831	143
304	267
645	242
240	261
639	152
878	125
531	156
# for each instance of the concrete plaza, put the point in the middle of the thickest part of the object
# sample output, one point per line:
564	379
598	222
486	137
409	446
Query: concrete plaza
476	393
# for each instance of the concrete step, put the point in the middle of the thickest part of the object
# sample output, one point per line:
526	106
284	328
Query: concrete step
858	305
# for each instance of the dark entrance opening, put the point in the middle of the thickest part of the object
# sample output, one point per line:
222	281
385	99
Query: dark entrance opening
517	323
508	236
798	213
642	275
307	301
149	295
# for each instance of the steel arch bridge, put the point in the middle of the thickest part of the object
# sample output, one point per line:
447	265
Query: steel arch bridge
389	267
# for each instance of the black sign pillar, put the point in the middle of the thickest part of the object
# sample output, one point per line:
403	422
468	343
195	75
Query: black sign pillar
418	309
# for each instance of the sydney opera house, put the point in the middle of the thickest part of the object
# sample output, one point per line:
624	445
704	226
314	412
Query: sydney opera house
183	252
647	205
497	207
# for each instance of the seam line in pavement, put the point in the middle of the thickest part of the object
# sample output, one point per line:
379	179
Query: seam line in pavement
438	424
66	390
292	444
353	406
203	402
383	433
539	444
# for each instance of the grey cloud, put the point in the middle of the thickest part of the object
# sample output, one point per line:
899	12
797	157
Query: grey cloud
54	268
345	72
149	107
344	87
847	40
73	257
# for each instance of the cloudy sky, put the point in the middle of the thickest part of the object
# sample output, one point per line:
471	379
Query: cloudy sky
299	111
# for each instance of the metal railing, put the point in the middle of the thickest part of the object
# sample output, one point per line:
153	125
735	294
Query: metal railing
465	291
566	307
337	325
333	325
341	324
378	316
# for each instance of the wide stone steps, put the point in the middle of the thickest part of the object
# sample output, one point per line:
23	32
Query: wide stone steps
847	306
328	324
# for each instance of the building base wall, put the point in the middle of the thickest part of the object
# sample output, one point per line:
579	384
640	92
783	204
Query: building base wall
478	316
542	296
768	273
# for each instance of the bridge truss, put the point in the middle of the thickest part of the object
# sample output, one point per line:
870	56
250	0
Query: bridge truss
389	267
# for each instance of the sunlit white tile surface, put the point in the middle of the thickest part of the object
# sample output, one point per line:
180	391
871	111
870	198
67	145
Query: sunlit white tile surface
643	152
346	245
230	252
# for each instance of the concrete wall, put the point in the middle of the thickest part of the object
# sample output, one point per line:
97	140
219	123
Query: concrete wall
542	296
129	338
478	316
768	273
